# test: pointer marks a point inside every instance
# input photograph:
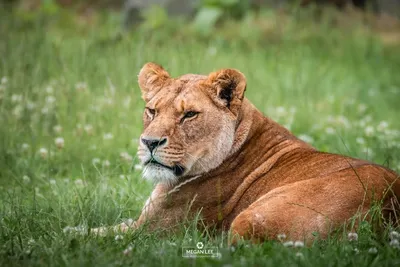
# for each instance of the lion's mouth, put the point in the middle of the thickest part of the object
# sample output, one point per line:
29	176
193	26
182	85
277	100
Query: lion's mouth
177	169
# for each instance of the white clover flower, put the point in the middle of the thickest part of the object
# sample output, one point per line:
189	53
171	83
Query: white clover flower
126	157
106	163
368	151
52	182
104	186
281	237
352	236
330	130
108	136
88	129
360	140
281	111
372	91
369	131
24	147
49	90
118	237
368	118
108	101
299	255
26	179
127	102
298	244
17	111
330	119
382	126
212	51
123	154
95	108
394	235
288	244
124	126
127	250
138	167
79	129
45	110
57	129
306	138
342	120
373	250
362	123
59	141
4	80
50	100
122	176
362	108
16	98
96	161
79	182
394	90
394	243
43	153
81	86
331	98
30	105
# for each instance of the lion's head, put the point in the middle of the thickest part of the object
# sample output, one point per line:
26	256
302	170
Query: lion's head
189	121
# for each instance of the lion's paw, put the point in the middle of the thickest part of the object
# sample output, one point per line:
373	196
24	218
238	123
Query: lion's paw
80	229
100	231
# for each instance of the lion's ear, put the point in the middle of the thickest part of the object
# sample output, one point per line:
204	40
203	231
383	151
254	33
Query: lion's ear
152	78
228	86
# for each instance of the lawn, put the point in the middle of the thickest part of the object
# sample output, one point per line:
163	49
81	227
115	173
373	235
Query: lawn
70	116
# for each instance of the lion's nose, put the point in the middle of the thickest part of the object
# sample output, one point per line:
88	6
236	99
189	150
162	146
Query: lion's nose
153	143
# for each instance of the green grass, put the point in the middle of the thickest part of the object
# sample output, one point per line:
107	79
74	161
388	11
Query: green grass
339	89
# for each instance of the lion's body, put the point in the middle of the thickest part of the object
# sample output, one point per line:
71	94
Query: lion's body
261	180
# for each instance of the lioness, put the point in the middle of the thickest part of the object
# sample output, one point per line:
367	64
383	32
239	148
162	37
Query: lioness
210	150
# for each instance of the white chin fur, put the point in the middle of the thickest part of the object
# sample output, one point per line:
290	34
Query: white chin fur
158	174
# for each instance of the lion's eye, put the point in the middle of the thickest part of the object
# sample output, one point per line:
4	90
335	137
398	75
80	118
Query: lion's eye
151	112
190	114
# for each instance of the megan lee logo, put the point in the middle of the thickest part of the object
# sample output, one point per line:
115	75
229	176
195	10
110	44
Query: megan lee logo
200	251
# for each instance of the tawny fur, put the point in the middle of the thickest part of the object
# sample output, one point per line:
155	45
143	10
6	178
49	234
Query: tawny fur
243	171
